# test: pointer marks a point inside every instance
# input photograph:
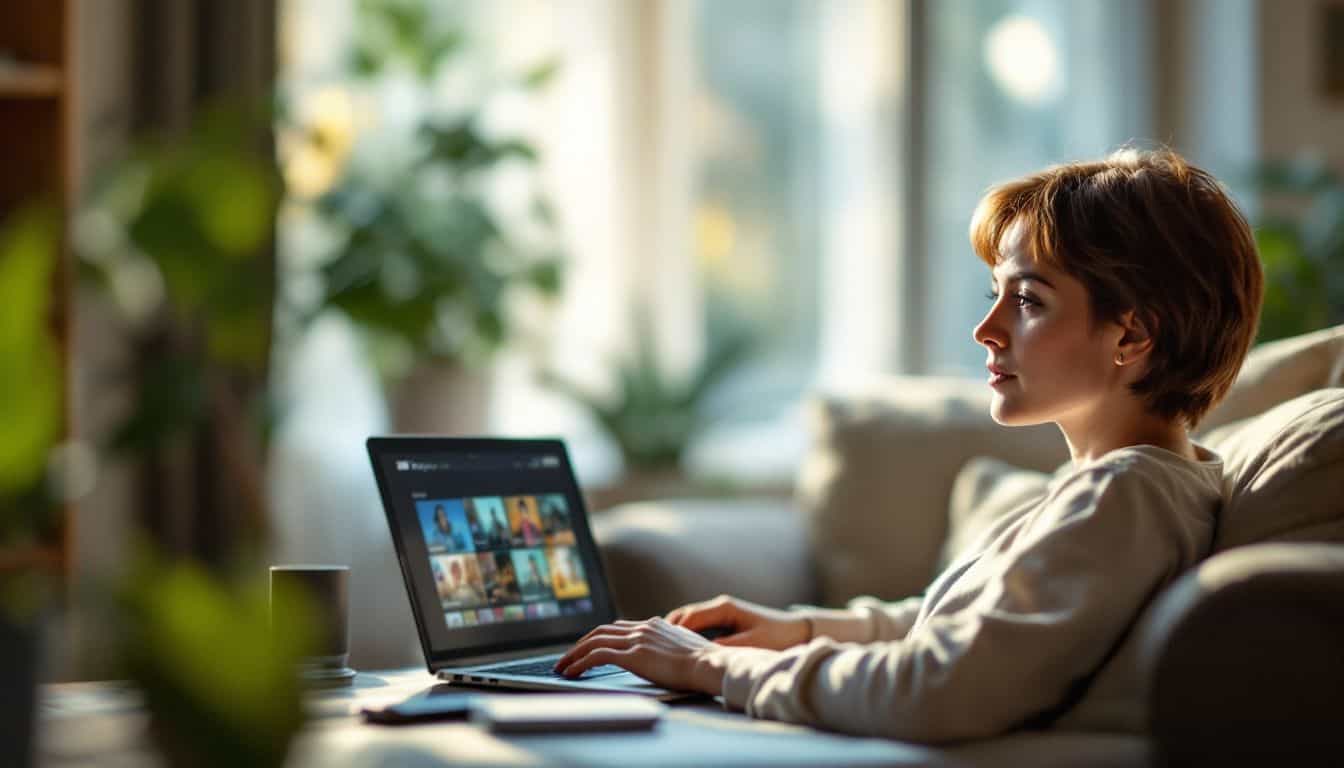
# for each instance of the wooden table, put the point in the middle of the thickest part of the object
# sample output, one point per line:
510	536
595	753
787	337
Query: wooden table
102	724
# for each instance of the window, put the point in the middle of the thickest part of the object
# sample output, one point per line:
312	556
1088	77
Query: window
1012	86
771	164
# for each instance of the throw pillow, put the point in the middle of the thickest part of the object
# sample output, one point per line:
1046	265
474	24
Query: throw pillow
1278	371
984	491
1284	473
875	483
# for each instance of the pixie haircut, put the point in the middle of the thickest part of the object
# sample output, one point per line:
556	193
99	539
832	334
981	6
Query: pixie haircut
1144	230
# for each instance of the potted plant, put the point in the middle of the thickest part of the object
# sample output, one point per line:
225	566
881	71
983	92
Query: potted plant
1300	235
653	416
420	260
176	237
30	408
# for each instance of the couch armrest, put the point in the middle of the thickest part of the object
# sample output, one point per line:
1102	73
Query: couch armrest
1246	658
663	554
876	483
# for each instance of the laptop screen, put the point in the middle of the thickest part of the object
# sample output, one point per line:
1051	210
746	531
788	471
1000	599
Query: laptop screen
493	541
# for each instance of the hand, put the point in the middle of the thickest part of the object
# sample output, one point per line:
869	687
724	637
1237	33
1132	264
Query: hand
667	655
750	624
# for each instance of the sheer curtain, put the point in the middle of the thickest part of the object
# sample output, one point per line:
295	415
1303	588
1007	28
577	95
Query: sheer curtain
720	164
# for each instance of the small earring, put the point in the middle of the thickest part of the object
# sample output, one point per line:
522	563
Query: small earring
1119	358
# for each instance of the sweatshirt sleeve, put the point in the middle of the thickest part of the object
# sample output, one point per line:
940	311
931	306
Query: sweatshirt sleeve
880	620
883	620
1043	618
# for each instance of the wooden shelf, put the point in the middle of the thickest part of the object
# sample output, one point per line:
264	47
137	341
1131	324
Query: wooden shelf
38	83
29	81
50	559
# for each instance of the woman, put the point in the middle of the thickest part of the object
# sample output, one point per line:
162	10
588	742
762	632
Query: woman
1124	296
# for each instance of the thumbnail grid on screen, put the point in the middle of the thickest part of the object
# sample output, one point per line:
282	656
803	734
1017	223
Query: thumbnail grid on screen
503	558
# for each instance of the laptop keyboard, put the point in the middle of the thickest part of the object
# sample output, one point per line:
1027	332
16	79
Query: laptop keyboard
546	668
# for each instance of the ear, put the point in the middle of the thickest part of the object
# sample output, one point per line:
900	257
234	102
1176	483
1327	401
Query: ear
1136	339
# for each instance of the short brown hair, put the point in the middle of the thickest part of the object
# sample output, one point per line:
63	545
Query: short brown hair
1144	230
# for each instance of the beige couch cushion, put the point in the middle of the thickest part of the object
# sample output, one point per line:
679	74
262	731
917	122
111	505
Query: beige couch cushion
662	554
985	490
1278	371
1284	472
875	484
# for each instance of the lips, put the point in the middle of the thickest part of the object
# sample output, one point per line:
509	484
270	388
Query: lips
998	375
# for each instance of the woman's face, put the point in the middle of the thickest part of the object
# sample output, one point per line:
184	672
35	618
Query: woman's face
1047	360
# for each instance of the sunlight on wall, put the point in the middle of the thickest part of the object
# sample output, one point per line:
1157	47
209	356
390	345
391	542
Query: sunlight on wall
1023	60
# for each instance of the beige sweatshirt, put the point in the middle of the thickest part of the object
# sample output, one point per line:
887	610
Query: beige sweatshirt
1000	637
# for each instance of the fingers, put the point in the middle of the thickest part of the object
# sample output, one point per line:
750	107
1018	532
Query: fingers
608	628
598	657
721	611
595	639
740	638
620	634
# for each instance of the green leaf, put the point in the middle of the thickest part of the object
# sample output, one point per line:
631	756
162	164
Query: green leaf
30	382
1293	295
514	148
540	75
221	688
1301	246
363	60
1301	175
1323	227
546	276
489	326
169	400
234	202
240	339
438	50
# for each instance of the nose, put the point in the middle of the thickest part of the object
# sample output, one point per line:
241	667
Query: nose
989	332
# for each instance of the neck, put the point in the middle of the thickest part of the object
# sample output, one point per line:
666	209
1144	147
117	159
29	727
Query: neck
1121	427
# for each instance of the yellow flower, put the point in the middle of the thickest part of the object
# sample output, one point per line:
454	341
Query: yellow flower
315	154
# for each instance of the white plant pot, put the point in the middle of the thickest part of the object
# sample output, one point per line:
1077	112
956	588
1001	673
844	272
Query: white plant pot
441	398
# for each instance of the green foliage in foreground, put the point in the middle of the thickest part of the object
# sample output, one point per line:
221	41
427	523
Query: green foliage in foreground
221	689
30	378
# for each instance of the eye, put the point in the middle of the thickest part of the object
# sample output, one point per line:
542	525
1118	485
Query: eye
1022	299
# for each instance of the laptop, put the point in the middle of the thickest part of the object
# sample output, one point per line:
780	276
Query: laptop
499	562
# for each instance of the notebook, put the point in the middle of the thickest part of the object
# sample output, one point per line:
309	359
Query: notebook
498	558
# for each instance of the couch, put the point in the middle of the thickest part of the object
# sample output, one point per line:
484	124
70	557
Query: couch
1243	654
